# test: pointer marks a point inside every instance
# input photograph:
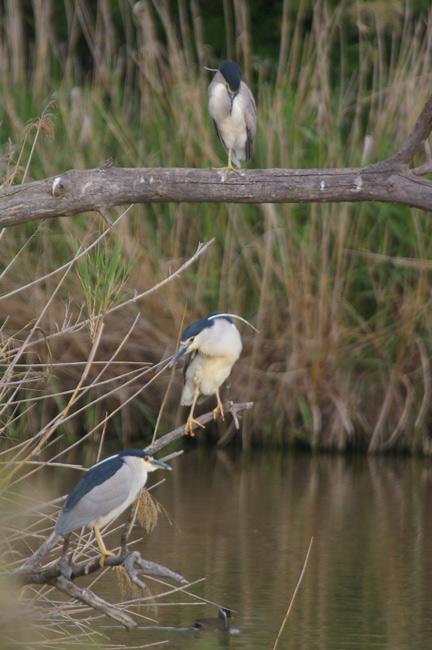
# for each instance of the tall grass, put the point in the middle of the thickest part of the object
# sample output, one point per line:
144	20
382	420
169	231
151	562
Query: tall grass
340	293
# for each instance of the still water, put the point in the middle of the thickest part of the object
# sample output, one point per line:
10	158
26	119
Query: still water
245	524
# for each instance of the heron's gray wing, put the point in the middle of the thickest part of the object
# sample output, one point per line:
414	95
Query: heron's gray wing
220	136
250	119
99	473
95	496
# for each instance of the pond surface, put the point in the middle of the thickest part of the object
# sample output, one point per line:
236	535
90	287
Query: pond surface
245	524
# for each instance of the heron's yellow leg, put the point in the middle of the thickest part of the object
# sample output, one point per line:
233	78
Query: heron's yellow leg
191	420
228	168
103	549
189	426
219	407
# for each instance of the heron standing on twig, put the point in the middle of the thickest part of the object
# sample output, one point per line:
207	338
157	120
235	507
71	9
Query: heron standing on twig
212	346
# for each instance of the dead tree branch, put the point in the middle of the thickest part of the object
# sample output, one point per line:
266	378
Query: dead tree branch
178	433
390	181
72	570
62	573
88	597
415	139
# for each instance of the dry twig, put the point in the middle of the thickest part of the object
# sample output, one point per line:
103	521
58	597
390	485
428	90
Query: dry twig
294	594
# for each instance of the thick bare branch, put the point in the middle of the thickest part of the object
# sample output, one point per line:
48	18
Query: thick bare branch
89	598
77	191
71	570
39	555
96	189
135	565
415	138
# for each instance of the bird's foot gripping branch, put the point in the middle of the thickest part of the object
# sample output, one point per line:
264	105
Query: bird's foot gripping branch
63	573
105	491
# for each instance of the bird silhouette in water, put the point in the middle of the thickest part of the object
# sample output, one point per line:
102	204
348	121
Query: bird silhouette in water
219	624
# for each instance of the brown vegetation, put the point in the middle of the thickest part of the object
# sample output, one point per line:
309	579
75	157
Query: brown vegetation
90	315
339	293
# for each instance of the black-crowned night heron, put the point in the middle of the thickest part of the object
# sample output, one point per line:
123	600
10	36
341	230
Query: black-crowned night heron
212	346
105	491
219	624
232	108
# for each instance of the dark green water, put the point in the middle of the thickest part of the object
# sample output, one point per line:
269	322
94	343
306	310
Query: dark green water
246	524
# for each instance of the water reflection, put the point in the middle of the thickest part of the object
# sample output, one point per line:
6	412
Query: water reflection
246	523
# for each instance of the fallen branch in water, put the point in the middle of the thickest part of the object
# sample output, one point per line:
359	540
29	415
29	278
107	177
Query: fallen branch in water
63	572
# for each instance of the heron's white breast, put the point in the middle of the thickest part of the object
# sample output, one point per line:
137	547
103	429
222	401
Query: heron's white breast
220	347
222	340
231	124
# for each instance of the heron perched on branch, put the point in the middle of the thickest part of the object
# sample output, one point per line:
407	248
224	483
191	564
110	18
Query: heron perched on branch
232	108
105	491
212	345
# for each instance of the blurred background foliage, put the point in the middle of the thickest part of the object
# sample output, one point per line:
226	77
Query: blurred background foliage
341	293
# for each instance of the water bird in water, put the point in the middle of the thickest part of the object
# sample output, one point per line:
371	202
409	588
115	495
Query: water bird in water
219	624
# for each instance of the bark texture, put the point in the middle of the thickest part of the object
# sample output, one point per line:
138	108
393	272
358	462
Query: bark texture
74	191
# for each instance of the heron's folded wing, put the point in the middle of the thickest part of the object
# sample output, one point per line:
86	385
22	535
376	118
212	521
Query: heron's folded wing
102	489
250	119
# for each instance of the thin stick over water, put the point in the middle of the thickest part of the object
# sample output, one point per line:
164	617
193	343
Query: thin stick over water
294	595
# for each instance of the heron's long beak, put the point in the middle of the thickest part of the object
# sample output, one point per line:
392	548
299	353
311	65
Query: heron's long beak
183	347
231	98
159	463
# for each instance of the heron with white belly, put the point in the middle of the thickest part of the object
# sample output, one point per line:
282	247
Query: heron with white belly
105	491
232	108
211	346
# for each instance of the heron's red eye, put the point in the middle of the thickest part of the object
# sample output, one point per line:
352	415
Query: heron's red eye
192	338
146	457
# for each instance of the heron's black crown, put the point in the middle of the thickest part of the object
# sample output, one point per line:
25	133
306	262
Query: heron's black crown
199	325
232	74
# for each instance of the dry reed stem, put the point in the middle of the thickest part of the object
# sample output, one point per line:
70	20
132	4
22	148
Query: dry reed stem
320	372
294	595
78	391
